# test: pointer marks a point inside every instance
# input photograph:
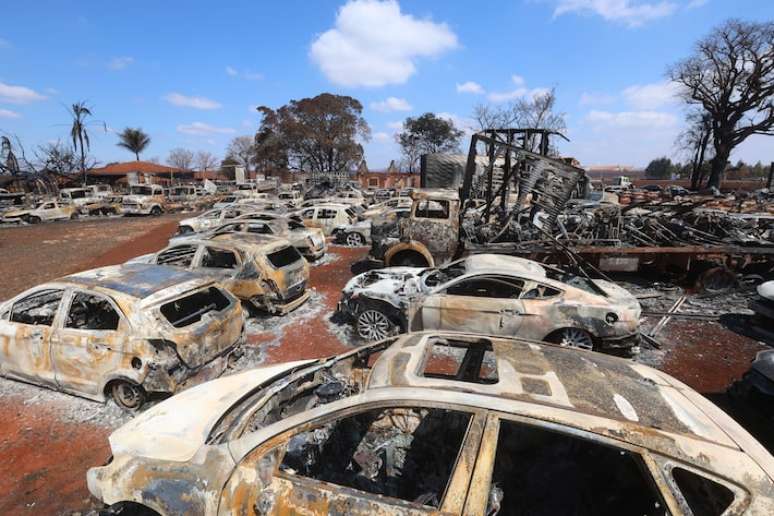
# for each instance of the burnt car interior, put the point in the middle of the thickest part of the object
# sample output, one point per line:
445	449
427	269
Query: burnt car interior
429	209
404	453
539	471
190	309
90	312
38	308
497	287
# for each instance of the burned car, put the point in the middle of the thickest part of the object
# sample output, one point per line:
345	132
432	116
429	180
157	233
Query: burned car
494	295
267	272
42	211
310	242
438	423
757	384
212	219
382	225
763	305
144	200
122	331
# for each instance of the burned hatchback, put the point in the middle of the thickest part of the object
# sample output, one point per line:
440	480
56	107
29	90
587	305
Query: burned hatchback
122	331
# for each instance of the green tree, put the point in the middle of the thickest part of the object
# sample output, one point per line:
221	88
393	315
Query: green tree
427	134
134	140
730	76
80	113
322	134
660	168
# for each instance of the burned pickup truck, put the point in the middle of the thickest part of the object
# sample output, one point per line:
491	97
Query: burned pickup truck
494	295
122	331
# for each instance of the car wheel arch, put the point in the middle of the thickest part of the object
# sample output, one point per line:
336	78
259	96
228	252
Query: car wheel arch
410	247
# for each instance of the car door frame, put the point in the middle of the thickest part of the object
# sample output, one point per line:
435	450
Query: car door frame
43	374
477	500
226	276
540	319
101	350
457	487
437	304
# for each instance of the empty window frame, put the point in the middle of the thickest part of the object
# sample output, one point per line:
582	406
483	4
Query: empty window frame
403	453
541	292
38	308
91	312
704	497
325	213
284	256
539	471
494	287
214	258
429	209
260	229
189	309
460	360
179	256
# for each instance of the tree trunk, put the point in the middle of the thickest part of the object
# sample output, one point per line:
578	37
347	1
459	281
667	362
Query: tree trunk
83	158
718	167
137	156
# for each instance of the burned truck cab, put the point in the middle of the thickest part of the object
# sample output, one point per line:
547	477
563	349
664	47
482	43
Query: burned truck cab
426	237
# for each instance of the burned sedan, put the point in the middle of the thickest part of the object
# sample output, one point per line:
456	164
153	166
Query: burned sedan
123	331
267	272
439	423
494	295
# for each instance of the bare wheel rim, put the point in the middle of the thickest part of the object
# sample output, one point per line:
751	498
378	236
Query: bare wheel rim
127	395
354	239
575	338
373	325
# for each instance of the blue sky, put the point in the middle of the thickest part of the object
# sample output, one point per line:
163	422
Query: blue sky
190	73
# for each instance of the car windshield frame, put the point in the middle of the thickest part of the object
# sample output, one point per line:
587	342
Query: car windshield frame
459	269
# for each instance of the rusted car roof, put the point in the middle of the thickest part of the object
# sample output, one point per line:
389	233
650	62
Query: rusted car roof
581	382
254	242
135	280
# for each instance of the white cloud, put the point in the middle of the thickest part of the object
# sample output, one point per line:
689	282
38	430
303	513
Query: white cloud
596	99
382	137
200	128
374	43
693	4
18	94
520	91
391	104
651	96
632	119
251	76
470	87
4	43
518	80
502	96
178	99
397	125
467	125
631	12
7	113
119	63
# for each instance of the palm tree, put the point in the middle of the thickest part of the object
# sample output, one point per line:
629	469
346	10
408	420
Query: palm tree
133	140
79	111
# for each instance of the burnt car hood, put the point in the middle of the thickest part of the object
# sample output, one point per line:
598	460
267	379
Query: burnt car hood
176	428
390	283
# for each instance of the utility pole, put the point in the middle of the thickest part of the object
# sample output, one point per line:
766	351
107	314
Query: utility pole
771	175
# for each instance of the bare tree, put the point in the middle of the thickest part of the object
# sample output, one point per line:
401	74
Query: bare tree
57	158
180	158
694	140
205	161
731	77
531	112
242	150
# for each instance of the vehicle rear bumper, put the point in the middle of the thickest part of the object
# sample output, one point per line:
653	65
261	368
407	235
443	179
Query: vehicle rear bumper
629	342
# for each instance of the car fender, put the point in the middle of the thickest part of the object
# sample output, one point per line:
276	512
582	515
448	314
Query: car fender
411	245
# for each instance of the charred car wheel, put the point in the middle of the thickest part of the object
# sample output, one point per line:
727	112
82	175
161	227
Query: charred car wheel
374	324
573	338
184	230
156	211
355	239
33	220
127	395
